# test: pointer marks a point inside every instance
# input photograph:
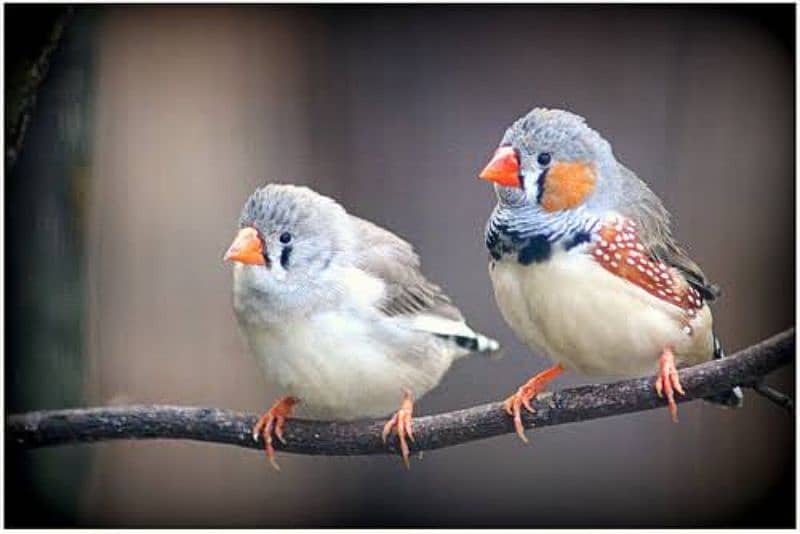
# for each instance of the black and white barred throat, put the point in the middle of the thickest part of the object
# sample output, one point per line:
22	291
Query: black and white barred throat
531	235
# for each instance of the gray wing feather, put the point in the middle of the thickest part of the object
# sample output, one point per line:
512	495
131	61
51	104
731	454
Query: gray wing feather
646	209
394	261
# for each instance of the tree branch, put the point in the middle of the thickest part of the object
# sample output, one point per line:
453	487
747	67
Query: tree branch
22	95
46	428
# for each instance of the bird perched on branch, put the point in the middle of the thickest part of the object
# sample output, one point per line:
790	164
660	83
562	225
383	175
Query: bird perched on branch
338	314
584	266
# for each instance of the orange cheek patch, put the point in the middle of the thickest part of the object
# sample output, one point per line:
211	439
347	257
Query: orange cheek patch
566	185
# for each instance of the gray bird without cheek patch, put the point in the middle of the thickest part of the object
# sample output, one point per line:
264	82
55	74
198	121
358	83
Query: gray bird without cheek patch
308	217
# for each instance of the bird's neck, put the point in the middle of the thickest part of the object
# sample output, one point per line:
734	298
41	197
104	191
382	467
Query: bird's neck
530	234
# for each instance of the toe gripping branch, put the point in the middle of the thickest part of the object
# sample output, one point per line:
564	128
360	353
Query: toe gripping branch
522	398
667	382
272	422
402	423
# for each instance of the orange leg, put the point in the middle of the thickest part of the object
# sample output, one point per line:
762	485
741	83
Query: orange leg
272	421
667	381
524	394
402	423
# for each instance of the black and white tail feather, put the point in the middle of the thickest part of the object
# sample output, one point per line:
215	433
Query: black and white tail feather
409	295
476	343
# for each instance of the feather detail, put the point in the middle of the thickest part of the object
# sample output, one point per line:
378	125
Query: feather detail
566	185
457	331
408	295
394	262
619	250
653	221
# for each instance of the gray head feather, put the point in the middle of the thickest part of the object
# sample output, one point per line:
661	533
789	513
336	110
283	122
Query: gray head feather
323	237
302	234
316	225
564	134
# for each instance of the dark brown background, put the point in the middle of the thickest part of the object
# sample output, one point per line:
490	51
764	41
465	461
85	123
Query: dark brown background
157	122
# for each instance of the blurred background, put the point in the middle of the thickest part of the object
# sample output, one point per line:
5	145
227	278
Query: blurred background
155	123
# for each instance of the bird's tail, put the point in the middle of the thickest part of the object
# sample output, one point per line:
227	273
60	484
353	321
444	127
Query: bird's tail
733	398
457	332
477	343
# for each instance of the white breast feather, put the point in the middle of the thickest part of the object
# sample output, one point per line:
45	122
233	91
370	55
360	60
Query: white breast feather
592	322
349	361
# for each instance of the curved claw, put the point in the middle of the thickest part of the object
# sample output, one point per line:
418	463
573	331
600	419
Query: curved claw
522	398
402	423
668	382
508	406
410	430
387	428
272	422
512	407
526	402
518	423
279	429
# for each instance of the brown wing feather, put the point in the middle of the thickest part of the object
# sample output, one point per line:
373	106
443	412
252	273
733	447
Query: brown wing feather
653	220
393	260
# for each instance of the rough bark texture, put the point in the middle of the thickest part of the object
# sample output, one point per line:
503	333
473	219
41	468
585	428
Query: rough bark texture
47	428
23	92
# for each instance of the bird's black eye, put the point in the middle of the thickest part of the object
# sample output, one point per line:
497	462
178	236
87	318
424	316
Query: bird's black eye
544	159
285	237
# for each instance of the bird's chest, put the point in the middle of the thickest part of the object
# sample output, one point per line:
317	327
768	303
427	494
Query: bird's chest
581	315
340	365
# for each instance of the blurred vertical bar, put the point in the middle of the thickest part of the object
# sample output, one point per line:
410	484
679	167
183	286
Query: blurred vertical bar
45	181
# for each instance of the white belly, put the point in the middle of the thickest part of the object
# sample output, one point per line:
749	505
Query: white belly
593	322
346	367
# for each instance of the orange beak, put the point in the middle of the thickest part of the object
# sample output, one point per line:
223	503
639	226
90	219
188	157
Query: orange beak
503	169
246	248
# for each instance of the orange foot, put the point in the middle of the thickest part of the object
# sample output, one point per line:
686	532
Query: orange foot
524	394
402	421
272	421
668	382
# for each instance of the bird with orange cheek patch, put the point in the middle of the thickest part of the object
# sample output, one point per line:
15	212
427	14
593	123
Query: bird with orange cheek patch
584	266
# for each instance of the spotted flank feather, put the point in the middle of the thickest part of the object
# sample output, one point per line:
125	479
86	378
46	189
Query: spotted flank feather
619	250
653	220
